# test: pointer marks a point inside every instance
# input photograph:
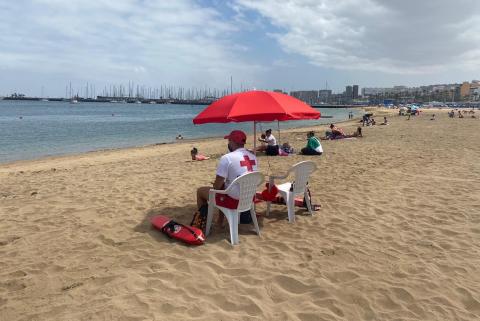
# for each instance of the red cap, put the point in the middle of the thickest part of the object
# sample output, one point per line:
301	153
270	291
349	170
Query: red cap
237	136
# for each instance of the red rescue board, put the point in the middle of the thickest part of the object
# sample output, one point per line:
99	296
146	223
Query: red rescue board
185	233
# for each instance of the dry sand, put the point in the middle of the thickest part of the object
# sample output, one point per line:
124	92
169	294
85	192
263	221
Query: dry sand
397	237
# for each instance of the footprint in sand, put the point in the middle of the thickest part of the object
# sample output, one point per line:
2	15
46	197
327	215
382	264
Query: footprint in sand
9	240
470	303
13	285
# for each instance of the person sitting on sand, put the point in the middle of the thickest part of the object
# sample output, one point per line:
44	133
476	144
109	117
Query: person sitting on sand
196	156
337	132
433	117
237	162
372	121
313	145
271	148
460	115
385	122
287	148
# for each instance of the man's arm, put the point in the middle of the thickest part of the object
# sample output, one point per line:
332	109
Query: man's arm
219	182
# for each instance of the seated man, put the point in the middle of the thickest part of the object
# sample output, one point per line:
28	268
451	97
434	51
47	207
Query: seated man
313	145
232	165
385	121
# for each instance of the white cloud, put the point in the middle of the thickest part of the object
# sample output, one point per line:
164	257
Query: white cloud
400	37
120	40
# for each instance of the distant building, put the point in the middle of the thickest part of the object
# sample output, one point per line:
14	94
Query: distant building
324	95
474	93
355	91
308	96
349	92
465	90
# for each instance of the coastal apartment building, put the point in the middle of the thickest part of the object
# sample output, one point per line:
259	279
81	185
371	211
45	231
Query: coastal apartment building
441	92
470	91
308	96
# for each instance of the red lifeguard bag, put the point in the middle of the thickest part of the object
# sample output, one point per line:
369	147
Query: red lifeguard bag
188	234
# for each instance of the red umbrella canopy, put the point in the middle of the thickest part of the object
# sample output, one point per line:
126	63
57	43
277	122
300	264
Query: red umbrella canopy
256	105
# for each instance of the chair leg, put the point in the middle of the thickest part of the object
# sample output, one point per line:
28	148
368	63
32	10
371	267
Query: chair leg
254	219
268	208
308	200
232	218
291	207
209	218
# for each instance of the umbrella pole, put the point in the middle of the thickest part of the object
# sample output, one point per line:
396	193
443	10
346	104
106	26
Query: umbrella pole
255	138
278	127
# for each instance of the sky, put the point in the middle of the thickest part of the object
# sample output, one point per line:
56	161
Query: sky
265	44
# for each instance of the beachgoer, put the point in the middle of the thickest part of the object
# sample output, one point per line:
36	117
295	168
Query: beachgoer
287	148
232	165
337	132
357	133
433	117
271	148
179	136
460	115
372	121
313	145
365	120
385	122
196	156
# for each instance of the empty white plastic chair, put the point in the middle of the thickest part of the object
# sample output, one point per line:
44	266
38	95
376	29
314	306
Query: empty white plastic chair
248	184
301	172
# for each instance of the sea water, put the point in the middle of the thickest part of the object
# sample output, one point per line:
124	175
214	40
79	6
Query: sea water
34	129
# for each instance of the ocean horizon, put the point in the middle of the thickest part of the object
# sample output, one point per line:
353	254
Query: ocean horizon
36	129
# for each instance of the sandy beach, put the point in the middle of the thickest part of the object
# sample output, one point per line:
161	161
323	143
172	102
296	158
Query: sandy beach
397	236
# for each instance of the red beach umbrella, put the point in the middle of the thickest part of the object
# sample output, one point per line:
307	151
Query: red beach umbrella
256	106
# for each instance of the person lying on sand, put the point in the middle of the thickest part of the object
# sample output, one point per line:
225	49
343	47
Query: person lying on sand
357	133
196	156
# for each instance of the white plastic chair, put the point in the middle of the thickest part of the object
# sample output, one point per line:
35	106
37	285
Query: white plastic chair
248	184
302	173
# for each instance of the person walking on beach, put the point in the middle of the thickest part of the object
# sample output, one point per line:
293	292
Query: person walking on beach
237	162
313	145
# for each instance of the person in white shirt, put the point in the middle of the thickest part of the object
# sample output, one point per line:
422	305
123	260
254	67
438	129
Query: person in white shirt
232	165
272	147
